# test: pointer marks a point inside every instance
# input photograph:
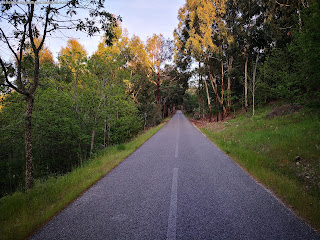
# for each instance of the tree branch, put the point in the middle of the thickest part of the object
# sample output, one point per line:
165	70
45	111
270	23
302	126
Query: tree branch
282	4
45	28
7	78
7	42
30	28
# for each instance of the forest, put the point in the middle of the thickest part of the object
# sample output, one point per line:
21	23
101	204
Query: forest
225	55
247	53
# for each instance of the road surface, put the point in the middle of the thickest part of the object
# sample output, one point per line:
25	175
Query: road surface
178	185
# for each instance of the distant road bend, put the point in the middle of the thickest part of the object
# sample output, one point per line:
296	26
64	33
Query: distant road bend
178	185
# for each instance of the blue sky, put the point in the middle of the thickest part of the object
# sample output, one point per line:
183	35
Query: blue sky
140	17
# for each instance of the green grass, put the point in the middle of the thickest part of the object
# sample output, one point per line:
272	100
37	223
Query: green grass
267	149
23	213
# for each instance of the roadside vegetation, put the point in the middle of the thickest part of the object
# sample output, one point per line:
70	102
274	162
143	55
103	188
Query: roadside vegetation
280	148
226	56
24	212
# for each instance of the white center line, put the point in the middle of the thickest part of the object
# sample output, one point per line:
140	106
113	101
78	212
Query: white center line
172	220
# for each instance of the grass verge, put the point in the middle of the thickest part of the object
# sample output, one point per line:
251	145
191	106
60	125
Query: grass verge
282	153
23	213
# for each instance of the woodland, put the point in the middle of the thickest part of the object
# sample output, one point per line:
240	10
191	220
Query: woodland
225	55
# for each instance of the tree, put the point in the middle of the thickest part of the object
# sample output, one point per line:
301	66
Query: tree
106	65
159	51
28	24
206	33
305	50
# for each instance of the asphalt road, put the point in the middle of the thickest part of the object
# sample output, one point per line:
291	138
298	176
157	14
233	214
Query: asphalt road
178	185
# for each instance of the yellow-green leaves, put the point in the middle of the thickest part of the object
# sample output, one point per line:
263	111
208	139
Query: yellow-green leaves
203	16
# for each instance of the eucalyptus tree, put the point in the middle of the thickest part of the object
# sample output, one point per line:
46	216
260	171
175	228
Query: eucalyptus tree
160	52
21	24
202	19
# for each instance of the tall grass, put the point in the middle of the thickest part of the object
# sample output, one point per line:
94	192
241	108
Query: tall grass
282	153
23	213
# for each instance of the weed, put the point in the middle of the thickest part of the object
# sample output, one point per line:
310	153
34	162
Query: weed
121	147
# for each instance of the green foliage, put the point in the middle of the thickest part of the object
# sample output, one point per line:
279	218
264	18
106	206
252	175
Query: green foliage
277	76
292	72
305	49
12	147
68	112
190	102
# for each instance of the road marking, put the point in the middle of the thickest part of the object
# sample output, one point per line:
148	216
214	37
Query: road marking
172	220
177	141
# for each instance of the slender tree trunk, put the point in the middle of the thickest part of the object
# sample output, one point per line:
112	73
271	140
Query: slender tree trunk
300	21
28	142
199	101
109	134
94	129
254	83
203	101
253	92
164	109
158	88
214	86
222	89
105	133
217	108
229	82
208	97
145	121
92	140
199	92
246	84
222	112
246	63
222	78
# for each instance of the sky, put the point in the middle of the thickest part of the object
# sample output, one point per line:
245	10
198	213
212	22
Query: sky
140	17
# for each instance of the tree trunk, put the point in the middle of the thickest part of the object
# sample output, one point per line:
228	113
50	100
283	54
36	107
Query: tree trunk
217	108
246	84
229	82
28	142
222	88
109	134
158	88
203	105
164	109
199	92
214	86
254	83
94	128
105	133
145	121
208	97
199	102
92	137
300	21
222	79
